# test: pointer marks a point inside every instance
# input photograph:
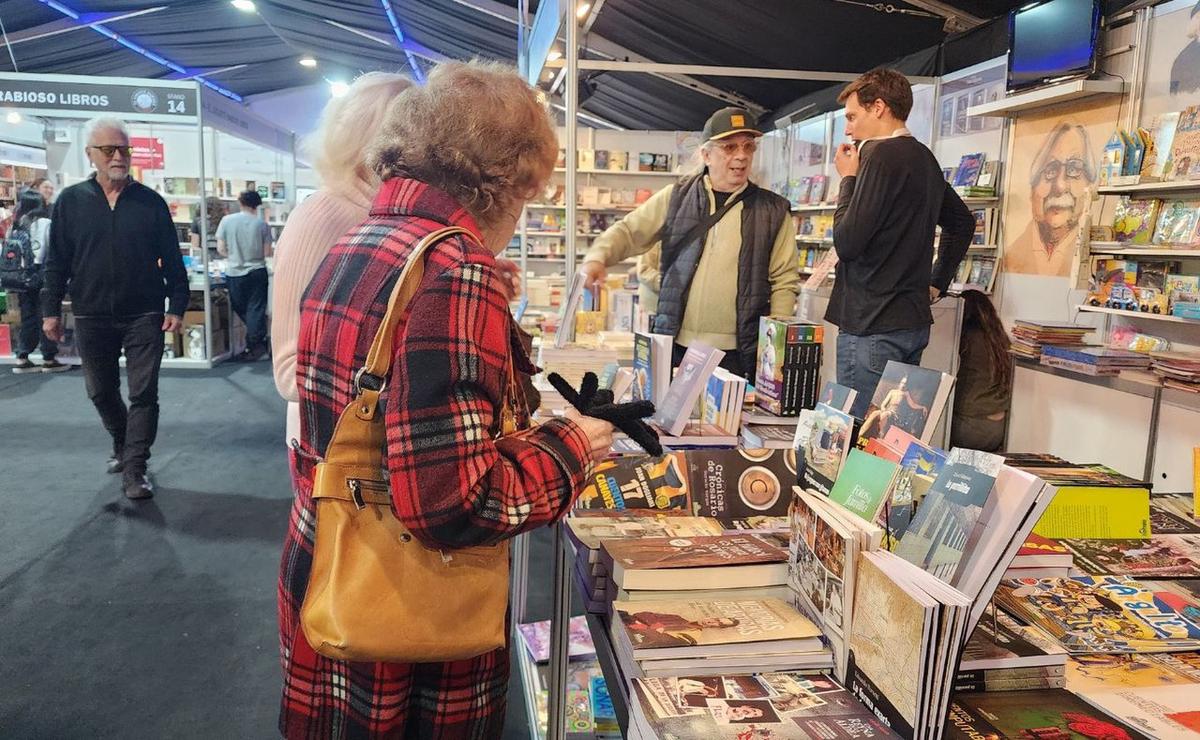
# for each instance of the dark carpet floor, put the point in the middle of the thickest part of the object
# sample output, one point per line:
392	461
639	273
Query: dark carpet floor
156	619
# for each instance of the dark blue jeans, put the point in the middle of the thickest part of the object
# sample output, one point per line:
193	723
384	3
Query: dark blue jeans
31	334
861	360
248	295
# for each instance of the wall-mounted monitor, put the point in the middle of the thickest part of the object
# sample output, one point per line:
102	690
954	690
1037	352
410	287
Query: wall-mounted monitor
1051	41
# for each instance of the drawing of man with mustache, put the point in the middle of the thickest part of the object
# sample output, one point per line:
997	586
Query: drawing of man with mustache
1062	174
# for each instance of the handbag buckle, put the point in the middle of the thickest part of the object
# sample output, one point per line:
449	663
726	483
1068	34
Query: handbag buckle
364	380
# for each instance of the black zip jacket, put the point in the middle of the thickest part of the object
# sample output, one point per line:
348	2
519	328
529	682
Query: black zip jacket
115	262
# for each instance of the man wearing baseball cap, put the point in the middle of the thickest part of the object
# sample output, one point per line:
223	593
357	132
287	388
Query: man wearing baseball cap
727	247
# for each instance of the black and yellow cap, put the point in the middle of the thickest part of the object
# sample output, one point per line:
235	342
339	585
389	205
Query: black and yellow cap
729	121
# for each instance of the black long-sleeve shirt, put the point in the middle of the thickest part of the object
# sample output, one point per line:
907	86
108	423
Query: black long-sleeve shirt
119	261
883	232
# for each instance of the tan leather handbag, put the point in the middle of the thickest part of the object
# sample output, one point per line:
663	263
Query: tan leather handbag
375	593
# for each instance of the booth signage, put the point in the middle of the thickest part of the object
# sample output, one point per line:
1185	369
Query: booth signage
134	100
147	152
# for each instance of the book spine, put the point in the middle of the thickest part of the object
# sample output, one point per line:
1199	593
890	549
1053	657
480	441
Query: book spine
1019	684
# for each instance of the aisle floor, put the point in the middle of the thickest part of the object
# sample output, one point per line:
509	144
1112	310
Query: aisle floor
152	619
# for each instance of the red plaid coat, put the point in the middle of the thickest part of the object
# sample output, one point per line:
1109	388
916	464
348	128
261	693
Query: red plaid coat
452	485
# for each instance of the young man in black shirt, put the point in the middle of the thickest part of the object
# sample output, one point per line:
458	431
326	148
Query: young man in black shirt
892	196
114	247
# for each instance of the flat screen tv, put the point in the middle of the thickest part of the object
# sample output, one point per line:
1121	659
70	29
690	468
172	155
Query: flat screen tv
1051	41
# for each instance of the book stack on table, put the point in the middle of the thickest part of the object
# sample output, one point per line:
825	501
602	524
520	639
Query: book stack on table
1180	370
1093	360
1029	337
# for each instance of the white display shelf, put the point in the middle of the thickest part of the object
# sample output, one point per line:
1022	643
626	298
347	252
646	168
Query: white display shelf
623	173
978	200
982	248
1063	92
1122	248
582	207
814	240
1173	186
1138	315
814	207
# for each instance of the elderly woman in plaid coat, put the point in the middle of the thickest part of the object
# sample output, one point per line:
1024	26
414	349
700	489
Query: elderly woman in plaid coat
467	149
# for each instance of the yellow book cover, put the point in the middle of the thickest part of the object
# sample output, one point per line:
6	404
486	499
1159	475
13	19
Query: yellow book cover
1196	482
1098	513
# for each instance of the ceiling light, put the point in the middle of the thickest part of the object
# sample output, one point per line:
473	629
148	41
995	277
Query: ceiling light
308	62
554	54
583	10
13	117
338	88
246	6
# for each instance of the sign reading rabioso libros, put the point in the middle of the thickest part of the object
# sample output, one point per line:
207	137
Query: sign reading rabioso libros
34	93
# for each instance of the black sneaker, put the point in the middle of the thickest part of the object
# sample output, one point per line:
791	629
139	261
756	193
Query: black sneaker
25	366
115	464
54	366
138	487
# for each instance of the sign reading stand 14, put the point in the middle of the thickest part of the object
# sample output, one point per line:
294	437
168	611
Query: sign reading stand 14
62	93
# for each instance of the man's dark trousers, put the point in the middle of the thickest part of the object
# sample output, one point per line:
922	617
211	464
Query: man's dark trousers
248	295
100	341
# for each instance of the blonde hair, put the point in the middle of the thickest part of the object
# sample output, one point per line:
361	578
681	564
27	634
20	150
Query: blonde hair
476	130
348	123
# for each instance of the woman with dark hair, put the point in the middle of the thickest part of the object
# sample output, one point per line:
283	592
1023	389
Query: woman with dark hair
31	226
46	188
244	240
984	388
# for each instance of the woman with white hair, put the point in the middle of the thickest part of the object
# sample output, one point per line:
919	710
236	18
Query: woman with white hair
338	148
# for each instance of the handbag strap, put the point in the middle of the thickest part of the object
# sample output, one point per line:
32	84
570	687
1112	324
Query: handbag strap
371	378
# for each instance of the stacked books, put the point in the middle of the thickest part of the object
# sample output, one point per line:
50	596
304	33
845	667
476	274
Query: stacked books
789	364
1029	337
651	366
723	401
696	567
1160	556
1103	614
1005	655
1179	370
674	414
823	556
779	706
587	529
1054	714
710	637
1093	360
1041	557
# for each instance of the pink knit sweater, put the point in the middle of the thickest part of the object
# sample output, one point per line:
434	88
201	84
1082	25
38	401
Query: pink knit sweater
312	230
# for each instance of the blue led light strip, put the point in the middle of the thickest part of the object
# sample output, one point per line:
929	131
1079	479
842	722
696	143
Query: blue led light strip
105	31
391	16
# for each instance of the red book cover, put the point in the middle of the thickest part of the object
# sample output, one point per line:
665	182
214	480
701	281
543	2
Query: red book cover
1036	544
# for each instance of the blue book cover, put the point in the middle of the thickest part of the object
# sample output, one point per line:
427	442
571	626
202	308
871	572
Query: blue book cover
968	170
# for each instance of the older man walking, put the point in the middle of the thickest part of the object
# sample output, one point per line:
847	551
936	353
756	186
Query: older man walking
114	248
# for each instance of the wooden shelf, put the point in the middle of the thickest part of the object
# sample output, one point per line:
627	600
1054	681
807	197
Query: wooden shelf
1138	314
1173	186
1042	97
1122	248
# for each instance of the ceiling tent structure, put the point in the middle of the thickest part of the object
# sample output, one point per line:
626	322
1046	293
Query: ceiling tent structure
256	53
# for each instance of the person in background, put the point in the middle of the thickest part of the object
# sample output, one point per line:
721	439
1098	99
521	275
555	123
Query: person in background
468	148
338	151
214	210
892	197
244	239
983	391
717	282
32	218
45	188
114	248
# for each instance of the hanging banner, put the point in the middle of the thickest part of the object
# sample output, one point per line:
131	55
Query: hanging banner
147	152
225	115
140	100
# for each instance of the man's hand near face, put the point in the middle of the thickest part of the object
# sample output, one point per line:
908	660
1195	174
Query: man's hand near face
846	160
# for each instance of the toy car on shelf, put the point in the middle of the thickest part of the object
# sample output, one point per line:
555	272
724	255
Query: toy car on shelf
1151	300
1121	296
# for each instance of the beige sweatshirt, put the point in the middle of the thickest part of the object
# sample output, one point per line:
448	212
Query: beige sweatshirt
311	231
710	315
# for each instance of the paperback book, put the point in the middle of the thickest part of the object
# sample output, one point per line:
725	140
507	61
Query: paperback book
708	562
695	368
767	706
712	628
638	482
651	366
909	397
823	446
1161	556
738	484
864	485
838	396
1055	714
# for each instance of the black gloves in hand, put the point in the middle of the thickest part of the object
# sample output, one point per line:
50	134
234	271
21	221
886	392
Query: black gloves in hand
590	400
